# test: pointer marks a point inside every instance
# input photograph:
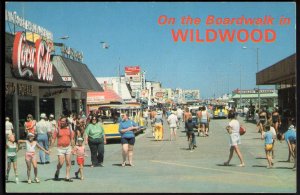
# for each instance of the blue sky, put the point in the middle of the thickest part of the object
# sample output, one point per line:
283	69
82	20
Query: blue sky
135	38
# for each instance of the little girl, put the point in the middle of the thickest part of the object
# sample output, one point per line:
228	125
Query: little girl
79	151
12	149
30	155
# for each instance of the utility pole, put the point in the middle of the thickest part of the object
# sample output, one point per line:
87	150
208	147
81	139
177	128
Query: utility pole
258	85
119	85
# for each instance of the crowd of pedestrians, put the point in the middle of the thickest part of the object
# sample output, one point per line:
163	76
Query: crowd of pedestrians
71	134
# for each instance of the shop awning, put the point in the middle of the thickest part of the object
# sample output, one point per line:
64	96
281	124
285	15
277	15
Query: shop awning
103	97
81	75
284	70
253	96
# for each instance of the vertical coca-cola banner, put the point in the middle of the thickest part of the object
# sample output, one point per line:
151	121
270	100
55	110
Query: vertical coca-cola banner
31	62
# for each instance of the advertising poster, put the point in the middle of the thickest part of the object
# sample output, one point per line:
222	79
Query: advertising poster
190	75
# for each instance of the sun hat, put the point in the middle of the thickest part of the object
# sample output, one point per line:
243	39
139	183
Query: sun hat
51	116
80	139
43	115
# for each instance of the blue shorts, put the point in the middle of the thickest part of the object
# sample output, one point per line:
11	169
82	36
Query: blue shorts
293	141
129	141
203	121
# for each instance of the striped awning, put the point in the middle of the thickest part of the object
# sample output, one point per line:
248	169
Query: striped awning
105	97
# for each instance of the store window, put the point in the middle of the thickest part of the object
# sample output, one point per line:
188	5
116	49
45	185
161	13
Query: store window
47	106
26	106
75	106
66	107
9	107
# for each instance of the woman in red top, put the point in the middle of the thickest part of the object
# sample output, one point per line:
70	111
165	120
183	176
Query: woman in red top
30	125
65	143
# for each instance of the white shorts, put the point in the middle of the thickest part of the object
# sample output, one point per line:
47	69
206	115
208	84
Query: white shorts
64	150
173	128
235	139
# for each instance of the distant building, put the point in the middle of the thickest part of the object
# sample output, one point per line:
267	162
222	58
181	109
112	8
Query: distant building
268	97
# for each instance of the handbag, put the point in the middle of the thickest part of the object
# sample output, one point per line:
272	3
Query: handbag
242	130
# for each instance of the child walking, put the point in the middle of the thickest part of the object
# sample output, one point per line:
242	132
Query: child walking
79	151
268	136
30	155
12	149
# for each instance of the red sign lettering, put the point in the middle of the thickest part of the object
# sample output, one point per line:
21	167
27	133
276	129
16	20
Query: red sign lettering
32	62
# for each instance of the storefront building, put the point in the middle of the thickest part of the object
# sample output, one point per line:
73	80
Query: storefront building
36	81
28	69
267	97
77	74
283	75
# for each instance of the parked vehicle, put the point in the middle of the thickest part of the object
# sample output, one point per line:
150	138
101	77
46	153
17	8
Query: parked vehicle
220	112
110	117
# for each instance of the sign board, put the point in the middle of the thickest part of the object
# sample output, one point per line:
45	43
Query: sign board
27	25
132	70
254	91
95	99
71	53
32	62
66	78
159	94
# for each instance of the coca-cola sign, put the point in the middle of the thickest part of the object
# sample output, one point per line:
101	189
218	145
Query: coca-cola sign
31	62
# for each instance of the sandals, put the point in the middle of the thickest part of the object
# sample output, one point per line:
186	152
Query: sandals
132	165
68	180
123	164
37	180
76	175
56	176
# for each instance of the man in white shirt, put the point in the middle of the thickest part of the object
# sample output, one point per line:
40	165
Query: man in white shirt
179	116
43	128
173	123
245	111
146	116
8	127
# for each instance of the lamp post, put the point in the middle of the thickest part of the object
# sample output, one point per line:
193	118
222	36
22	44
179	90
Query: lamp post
258	91
240	86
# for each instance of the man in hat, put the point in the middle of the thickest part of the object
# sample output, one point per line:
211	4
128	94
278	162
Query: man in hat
42	129
9	128
173	123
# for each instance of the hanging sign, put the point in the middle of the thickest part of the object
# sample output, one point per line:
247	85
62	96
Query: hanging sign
32	62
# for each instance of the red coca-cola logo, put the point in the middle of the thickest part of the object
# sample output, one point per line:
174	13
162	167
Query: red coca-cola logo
31	62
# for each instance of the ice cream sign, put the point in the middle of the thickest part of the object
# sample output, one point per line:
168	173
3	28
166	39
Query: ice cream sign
31	61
